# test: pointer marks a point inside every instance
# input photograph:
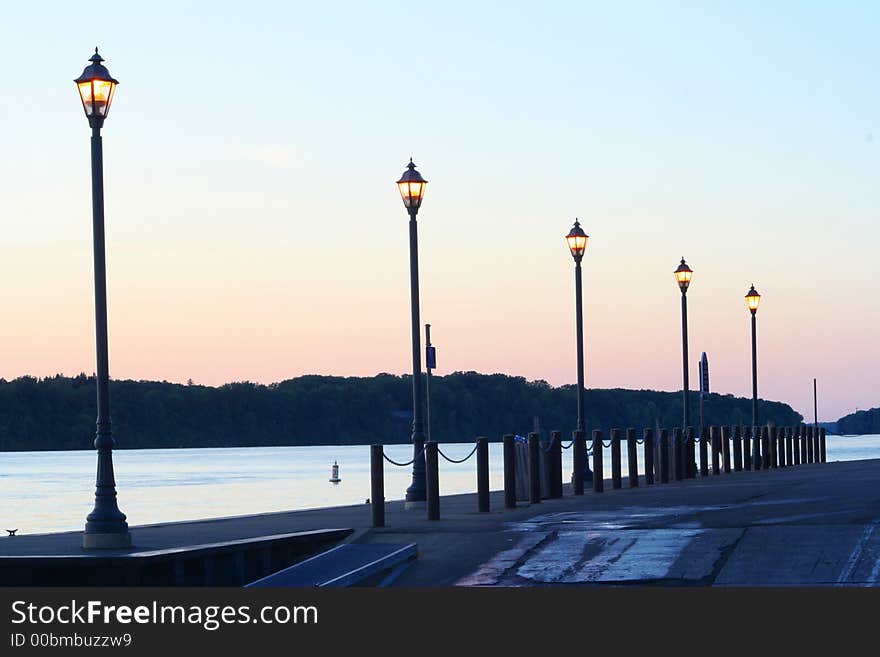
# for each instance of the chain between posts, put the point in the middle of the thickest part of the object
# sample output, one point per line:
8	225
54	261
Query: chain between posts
440	452
403	465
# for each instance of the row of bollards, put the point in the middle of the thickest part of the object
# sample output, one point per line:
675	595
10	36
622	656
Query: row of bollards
723	449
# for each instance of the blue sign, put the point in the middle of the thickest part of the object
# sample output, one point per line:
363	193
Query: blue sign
431	358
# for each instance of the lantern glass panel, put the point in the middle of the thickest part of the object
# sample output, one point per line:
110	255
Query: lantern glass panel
412	192
577	244
96	96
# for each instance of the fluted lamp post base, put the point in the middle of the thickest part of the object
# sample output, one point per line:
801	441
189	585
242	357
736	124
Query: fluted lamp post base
111	541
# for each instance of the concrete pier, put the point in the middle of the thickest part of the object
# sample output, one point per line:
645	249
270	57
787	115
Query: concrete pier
816	525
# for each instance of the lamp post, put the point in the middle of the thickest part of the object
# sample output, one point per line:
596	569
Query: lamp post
753	299
577	244
105	525
815	406
683	276
412	191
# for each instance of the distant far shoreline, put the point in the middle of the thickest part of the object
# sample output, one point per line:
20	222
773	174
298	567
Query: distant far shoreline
182	447
58	413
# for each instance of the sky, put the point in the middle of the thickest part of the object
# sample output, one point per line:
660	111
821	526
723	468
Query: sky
254	231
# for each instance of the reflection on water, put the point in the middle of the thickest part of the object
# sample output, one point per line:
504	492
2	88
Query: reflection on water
52	491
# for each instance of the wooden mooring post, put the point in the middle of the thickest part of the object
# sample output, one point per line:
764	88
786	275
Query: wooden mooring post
632	458
725	448
649	456
756	448
765	448
554	456
534	446
704	453
789	452
579	459
432	480
774	452
715	437
737	449
615	459
483	474
804	460
598	468
747	448
690	453
664	456
509	471
782	451
677	454
377	486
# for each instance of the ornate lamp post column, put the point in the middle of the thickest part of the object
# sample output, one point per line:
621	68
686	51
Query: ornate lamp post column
577	244
412	191
753	299
105	525
683	276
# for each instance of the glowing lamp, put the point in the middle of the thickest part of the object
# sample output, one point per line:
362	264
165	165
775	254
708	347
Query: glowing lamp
412	187
753	299
96	88
577	241
683	275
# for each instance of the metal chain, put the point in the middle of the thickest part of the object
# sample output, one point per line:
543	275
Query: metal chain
640	441
403	465
608	445
566	446
473	451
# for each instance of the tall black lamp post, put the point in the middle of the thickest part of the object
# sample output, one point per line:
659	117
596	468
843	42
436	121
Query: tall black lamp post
412	191
577	244
105	525
683	276
753	299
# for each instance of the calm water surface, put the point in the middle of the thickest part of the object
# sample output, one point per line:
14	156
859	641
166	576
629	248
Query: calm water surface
53	491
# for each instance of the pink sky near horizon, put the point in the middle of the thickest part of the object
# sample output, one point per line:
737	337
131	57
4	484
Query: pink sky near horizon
264	318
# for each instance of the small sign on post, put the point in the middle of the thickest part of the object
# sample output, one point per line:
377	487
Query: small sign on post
431	357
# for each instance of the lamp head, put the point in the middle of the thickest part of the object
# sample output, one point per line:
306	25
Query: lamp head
753	300
683	275
577	241
412	187
96	88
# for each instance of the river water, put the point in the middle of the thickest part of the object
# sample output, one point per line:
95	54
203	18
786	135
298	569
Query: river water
53	491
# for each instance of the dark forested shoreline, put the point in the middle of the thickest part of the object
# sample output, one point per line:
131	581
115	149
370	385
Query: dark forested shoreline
860	422
59	412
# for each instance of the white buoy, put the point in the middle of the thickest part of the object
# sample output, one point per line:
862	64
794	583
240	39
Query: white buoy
334	473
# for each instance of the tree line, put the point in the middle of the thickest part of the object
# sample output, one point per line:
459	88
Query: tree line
860	422
58	412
